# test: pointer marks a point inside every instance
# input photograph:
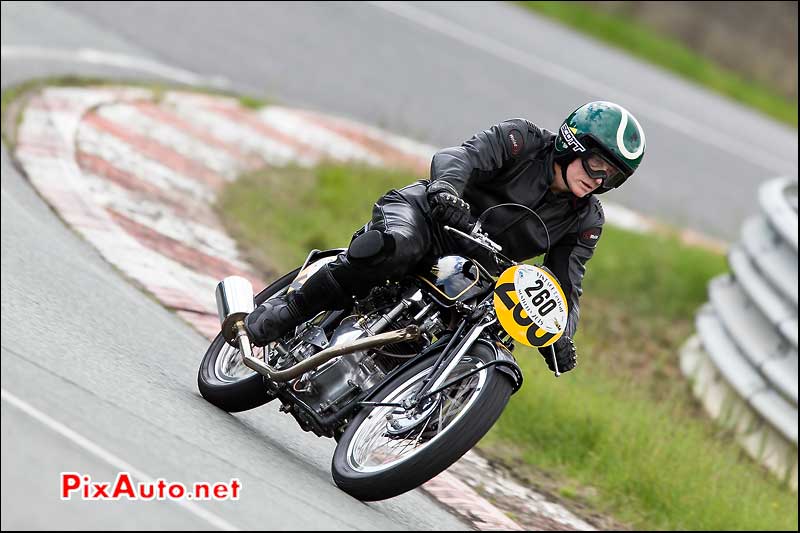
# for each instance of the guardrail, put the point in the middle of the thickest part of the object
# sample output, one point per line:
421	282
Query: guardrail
743	362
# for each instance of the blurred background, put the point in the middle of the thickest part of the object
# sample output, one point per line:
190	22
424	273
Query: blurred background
683	414
752	39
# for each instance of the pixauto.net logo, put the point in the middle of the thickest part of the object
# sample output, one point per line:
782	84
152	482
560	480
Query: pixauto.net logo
81	486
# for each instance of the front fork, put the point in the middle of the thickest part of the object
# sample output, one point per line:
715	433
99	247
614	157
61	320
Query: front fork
449	359
442	371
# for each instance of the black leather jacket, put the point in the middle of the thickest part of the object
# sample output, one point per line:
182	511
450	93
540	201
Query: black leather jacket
513	162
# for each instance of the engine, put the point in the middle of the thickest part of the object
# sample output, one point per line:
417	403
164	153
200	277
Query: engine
339	380
333	385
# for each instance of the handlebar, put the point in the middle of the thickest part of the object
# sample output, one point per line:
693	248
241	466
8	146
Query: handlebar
478	237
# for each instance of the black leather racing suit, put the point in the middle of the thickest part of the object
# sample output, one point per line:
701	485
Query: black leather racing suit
513	162
509	162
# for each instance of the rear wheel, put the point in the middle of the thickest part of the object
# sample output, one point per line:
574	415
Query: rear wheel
223	379
386	451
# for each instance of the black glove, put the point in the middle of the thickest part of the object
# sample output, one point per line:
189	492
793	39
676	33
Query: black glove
447	208
565	355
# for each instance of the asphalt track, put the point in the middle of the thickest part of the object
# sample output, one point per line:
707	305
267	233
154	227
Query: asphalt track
90	352
439	72
98	378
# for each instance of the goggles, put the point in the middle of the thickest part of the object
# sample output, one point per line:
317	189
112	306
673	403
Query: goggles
598	167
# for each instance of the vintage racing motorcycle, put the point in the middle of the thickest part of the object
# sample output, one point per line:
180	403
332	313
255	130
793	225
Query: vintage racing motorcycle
408	379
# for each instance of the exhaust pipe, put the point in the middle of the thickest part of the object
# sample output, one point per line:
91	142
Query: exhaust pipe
317	360
235	301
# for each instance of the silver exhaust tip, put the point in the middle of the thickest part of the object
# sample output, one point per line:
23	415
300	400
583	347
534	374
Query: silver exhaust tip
234	302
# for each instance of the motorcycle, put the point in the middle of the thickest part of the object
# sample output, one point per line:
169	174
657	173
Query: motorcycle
409	378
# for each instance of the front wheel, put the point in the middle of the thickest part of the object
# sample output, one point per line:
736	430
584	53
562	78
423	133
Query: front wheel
385	451
223	379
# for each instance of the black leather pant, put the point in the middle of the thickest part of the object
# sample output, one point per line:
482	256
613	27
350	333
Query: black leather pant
400	238
414	241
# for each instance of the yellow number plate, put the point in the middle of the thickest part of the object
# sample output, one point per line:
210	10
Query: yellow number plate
530	305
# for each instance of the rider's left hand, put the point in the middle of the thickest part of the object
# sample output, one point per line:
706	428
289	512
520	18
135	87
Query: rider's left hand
566	355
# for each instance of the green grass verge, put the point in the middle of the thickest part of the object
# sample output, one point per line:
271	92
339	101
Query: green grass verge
632	36
280	214
620	435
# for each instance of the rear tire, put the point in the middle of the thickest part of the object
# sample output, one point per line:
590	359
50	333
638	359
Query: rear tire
231	394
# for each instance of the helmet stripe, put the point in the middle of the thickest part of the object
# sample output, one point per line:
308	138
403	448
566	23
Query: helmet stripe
623	123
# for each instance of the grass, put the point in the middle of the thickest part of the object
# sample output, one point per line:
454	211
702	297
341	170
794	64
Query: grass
652	464
631	36
619	436
282	213
15	92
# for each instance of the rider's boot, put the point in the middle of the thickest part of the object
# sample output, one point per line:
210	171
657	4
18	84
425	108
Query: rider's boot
272	319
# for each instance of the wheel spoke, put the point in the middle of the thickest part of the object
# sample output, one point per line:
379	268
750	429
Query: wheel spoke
372	448
424	427
463	389
439	425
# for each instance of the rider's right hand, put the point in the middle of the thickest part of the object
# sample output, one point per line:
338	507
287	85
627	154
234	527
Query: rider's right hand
449	209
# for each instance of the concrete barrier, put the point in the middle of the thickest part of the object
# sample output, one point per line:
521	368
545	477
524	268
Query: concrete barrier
743	360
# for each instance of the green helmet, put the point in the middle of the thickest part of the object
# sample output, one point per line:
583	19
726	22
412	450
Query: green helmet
606	130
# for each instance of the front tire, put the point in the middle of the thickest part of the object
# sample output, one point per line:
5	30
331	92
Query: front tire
223	379
369	463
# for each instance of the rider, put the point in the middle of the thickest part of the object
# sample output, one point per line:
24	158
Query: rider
596	149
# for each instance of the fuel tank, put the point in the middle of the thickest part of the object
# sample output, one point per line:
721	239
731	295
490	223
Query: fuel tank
454	278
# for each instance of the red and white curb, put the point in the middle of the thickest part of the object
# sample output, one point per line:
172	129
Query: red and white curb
135	174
